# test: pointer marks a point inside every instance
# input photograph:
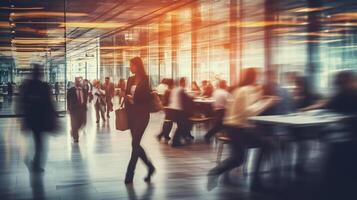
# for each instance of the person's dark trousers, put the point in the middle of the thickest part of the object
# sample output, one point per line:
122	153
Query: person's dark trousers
183	127
77	121
166	129
241	140
137	131
218	118
99	111
168	123
303	136
109	106
39	148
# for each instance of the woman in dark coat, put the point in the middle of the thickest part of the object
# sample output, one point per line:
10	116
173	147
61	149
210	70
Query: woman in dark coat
138	103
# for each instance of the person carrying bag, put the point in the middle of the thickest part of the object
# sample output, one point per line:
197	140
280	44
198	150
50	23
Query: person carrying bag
121	118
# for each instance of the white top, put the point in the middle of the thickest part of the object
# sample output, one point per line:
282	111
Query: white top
246	102
175	99
220	97
97	91
132	90
161	88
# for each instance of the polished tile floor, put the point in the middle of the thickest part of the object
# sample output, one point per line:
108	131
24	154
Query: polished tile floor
95	168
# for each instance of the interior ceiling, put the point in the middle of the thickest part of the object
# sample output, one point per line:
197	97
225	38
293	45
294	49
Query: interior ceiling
30	29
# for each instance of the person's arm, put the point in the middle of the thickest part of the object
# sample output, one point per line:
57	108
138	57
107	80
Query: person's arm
69	101
317	105
256	108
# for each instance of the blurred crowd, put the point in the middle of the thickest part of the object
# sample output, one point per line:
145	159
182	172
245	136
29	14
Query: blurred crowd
225	110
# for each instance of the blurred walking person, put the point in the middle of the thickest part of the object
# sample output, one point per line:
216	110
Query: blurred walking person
167	126
77	107
109	94
248	101
39	114
137	102
57	90
99	101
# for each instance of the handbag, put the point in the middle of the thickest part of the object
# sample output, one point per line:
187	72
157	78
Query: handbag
156	104
121	118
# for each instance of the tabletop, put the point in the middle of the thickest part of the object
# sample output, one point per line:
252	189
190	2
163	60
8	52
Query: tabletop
203	100
301	119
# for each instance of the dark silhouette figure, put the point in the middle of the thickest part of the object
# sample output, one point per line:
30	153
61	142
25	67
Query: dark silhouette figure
137	101
77	107
39	113
57	90
10	90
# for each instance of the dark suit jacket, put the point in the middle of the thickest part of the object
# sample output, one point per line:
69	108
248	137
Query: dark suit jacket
37	105
73	105
142	98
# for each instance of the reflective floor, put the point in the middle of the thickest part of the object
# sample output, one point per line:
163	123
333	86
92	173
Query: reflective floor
95	168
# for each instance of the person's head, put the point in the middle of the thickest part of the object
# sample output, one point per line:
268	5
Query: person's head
107	80
164	81
182	82
302	86
85	81
204	83
137	67
345	81
271	76
37	72
170	83
96	83
77	82
222	84
249	77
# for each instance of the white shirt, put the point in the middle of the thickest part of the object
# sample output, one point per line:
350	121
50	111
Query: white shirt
161	88
246	102
220	97
96	91
175	102
132	90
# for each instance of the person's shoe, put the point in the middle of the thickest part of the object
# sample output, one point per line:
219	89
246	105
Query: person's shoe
212	181
207	139
158	137
176	144
75	140
97	121
167	139
108	116
150	173
129	179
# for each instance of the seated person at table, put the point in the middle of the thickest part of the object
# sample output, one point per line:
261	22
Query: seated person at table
303	95
339	180
167	126
303	98
248	101
182	106
207	89
272	88
220	96
162	87
195	88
